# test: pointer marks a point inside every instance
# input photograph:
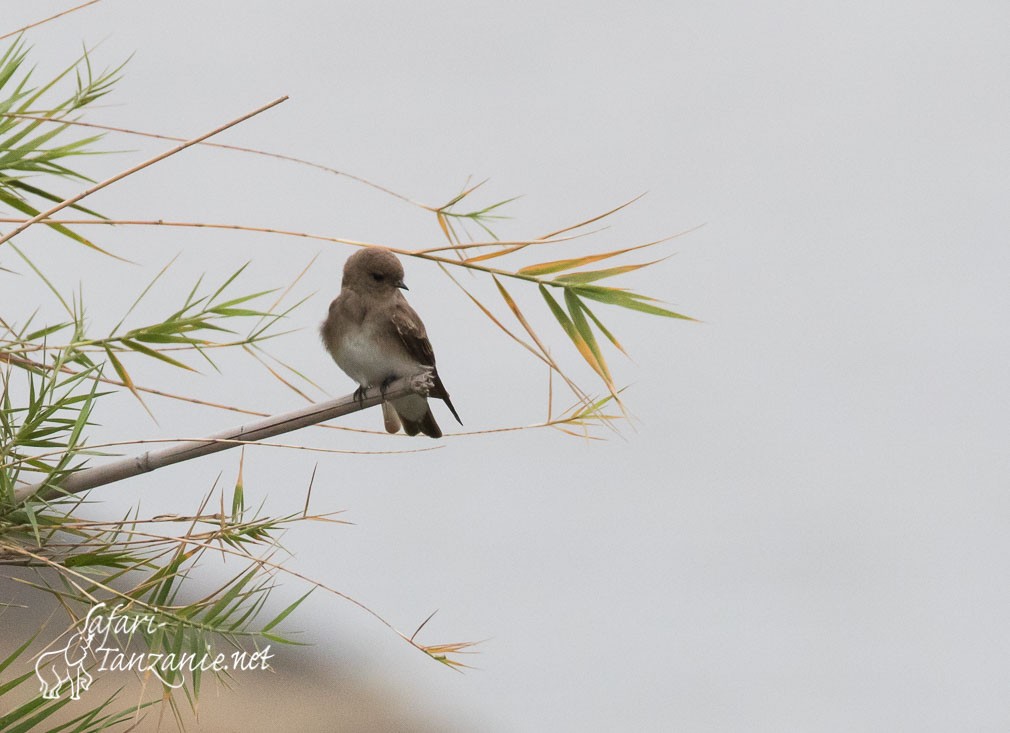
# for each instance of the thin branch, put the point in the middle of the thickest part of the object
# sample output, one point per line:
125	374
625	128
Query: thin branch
39	366
123	174
89	478
221	146
423	253
46	20
418	253
550	422
93	448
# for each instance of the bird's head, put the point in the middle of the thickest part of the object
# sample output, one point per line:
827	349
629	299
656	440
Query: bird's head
373	270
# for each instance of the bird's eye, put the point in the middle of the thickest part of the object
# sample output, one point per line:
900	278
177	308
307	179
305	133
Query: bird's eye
378	277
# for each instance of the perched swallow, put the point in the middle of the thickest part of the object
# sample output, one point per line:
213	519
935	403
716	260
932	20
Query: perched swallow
376	337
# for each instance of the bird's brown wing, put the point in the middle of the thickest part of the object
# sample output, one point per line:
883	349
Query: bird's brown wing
411	333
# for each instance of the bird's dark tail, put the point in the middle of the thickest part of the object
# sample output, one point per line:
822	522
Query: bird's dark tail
426	425
440	392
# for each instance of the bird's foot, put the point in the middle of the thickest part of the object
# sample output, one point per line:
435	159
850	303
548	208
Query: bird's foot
424	381
359	394
385	384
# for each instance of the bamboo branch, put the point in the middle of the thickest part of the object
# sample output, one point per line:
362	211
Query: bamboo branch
221	146
22	29
89	478
130	171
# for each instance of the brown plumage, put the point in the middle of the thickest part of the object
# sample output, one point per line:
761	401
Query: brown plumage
375	337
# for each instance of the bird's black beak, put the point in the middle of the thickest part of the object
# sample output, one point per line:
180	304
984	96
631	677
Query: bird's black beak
401	286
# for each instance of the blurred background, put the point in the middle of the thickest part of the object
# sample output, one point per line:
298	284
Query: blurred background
804	527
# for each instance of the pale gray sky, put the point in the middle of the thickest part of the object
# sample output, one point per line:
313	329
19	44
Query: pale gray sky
808	527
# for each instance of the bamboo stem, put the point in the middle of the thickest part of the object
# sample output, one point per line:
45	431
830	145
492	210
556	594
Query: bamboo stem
130	171
22	29
108	473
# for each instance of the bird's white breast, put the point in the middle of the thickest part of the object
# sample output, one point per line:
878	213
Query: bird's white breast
367	363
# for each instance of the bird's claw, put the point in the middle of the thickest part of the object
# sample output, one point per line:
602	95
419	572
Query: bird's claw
385	385
359	394
424	381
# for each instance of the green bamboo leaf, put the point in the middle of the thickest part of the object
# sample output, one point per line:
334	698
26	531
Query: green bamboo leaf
463	194
100	559
143	293
20	650
82	397
15	155
593	275
42	332
45	708
188	303
197	673
35	94
252	610
228	282
236	312
56	199
609	291
163	579
93	721
624	299
226	600
180	325
140	348
40	444
11	61
20	205
176	649
155	338
603	329
244	298
487	209
286	612
125	377
569	327
16	682
282	640
559	314
585	330
32	517
41	275
238	496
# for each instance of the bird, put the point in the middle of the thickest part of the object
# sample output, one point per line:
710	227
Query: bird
375	337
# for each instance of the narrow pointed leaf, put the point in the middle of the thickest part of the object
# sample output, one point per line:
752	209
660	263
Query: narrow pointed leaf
16	653
140	348
514	307
25	208
586	332
34	335
496	253
570	329
286	612
281	640
624	299
603	329
546	268
125	377
593	275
